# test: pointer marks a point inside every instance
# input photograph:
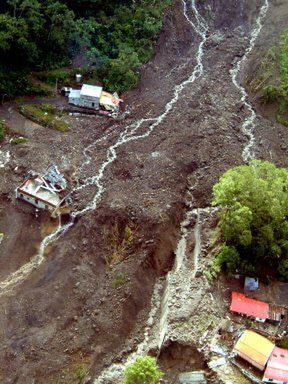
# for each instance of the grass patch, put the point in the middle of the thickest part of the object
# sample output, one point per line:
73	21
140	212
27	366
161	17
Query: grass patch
18	140
120	279
46	115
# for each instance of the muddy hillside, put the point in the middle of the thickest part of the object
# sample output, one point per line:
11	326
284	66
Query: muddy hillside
117	276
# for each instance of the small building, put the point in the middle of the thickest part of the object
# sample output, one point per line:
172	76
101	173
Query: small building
46	191
277	367
93	97
250	307
254	348
251	284
65	91
255	308
196	377
88	96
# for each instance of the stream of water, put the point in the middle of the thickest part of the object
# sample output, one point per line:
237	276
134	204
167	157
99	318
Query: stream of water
113	372
249	123
128	134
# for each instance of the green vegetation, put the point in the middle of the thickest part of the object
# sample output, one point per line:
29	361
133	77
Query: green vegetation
46	115
18	140
143	371
2	130
81	373
253	227
283	343
272	78
43	36
120	279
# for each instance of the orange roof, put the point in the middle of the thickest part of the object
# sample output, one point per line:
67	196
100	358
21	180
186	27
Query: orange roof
251	307
254	348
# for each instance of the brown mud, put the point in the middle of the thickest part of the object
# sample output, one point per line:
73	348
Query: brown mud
74	309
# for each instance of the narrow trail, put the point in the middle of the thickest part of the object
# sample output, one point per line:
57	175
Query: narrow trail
249	123
129	134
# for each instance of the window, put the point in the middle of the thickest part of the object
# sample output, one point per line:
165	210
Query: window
93	104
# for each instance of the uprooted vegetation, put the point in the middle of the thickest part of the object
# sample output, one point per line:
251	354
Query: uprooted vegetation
46	115
118	239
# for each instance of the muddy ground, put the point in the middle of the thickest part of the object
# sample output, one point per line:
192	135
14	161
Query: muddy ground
74	310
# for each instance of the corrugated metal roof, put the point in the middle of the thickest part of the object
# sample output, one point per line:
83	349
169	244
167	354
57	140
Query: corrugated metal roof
254	348
91	90
74	94
277	366
251	284
251	307
192	378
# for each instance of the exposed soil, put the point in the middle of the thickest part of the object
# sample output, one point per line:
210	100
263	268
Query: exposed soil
73	309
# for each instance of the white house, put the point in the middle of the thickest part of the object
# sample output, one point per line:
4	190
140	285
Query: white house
93	96
88	96
44	192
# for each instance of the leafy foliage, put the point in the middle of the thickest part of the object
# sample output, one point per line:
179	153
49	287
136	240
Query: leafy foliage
143	371
253	225
18	140
37	35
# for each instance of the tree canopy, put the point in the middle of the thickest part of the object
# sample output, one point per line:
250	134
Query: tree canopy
117	36
143	371
253	226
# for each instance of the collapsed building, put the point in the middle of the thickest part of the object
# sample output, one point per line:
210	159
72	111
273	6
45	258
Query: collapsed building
264	355
93	97
47	191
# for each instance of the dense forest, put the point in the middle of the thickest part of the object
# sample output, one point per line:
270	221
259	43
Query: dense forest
115	37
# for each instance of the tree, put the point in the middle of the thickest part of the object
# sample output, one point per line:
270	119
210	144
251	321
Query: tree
253	216
143	371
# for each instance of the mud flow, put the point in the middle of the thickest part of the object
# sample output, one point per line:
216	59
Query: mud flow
125	273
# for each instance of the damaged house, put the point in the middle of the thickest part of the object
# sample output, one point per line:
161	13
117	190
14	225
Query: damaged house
47	191
260	310
93	97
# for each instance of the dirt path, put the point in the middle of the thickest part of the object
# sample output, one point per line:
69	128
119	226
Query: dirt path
72	310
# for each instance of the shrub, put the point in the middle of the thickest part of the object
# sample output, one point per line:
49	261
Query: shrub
143	371
2	130
283	343
18	140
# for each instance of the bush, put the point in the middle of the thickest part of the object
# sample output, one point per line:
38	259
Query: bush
271	93
143	371
283	343
18	140
2	130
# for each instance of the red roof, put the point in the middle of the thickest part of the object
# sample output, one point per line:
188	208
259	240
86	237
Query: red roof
277	366
251	307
